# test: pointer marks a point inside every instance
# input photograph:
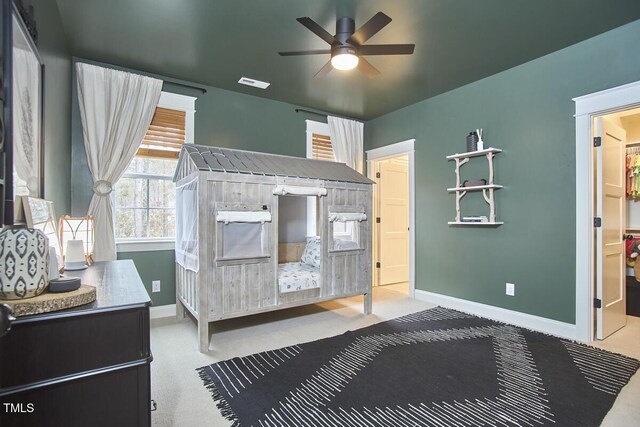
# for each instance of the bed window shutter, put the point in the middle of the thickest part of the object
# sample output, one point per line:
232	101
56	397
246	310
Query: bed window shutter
165	136
322	148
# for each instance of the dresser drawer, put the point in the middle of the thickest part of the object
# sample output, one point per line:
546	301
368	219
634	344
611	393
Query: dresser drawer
108	399
50	347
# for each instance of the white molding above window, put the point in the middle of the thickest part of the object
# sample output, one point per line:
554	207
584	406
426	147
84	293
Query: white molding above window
144	245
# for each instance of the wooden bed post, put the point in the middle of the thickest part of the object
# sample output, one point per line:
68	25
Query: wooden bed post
203	335
368	302
180	310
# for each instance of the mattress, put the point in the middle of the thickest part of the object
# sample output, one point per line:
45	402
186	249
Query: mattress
296	276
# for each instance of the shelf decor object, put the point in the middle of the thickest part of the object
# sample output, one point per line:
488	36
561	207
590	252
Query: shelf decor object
24	263
487	190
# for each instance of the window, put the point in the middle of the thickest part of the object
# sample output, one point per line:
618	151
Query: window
321	148
319	142
144	198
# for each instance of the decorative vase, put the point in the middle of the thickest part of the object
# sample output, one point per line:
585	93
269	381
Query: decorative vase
472	142
24	263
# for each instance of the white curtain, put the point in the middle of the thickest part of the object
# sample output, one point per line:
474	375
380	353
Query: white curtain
26	126
347	141
116	109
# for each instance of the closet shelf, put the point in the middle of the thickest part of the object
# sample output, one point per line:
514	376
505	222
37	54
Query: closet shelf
475	188
474	153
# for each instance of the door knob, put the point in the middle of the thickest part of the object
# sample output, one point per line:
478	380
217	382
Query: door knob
5	319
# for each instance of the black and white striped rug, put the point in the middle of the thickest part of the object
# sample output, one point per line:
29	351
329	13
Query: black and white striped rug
438	368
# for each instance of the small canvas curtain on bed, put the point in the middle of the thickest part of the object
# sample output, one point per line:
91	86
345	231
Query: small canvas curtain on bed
116	109
187	225
347	139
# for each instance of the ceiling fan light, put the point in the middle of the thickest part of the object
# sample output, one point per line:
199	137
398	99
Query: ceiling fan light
344	61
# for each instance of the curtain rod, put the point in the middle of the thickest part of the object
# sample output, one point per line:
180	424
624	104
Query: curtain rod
203	90
302	110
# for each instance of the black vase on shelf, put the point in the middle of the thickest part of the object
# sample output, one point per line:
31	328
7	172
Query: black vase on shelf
472	141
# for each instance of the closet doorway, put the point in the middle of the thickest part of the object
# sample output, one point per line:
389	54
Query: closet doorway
391	167
617	208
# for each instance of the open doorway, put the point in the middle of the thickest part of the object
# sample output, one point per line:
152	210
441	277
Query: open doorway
391	167
617	225
588	107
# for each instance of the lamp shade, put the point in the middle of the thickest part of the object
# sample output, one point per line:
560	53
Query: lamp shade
74	258
77	228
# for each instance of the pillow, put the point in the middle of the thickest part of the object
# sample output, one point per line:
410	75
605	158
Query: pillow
311	254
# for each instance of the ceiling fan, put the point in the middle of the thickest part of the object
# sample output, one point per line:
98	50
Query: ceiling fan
347	46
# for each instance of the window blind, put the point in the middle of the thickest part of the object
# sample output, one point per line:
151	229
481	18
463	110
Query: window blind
321	147
165	136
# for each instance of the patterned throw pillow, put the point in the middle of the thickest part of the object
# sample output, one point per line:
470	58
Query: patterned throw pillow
311	254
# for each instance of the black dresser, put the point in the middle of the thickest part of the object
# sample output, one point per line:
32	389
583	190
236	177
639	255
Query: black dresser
86	366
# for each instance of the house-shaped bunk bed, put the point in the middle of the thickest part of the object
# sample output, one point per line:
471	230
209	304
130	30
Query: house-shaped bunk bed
234	256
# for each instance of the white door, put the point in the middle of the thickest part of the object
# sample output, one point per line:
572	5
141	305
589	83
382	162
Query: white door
393	246
610	248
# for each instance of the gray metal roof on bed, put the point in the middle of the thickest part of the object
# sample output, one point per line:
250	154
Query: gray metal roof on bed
228	160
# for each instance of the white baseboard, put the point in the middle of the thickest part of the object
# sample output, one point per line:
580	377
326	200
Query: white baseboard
162	311
536	323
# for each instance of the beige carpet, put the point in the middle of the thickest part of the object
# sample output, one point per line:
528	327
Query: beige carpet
183	401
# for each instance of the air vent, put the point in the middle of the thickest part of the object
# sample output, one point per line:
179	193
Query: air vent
254	83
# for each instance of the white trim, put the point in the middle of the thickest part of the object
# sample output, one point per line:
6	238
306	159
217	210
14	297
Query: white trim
162	311
588	107
393	150
323	129
536	323
145	245
177	101
608	100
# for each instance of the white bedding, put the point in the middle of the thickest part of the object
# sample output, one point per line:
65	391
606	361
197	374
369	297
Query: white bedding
296	276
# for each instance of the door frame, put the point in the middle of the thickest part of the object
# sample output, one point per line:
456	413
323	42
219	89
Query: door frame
587	108
386	152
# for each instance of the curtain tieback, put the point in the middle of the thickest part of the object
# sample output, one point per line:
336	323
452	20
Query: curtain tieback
102	188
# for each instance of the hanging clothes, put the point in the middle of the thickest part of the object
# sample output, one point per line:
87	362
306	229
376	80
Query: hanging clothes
632	171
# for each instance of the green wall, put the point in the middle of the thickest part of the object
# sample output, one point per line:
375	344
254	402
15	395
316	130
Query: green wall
56	55
527	111
156	265
223	119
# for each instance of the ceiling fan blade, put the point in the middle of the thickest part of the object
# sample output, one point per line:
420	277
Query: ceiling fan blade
387	49
367	69
372	26
317	30
324	70
306	52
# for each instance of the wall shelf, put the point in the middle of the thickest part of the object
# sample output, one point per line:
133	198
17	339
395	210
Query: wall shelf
469	154
474	223
475	188
487	190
